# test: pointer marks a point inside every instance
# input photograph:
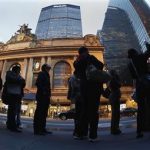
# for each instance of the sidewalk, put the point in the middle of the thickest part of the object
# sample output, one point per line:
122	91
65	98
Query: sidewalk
62	140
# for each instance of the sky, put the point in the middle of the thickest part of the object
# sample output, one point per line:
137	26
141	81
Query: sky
14	13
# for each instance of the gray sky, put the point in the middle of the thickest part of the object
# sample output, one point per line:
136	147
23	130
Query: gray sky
17	12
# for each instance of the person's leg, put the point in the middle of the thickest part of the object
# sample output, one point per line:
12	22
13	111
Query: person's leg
112	118
11	115
140	118
78	118
37	122
115	118
18	109
93	114
45	113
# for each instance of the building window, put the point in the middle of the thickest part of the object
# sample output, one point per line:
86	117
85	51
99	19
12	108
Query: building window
35	75
62	72
36	70
14	65
36	65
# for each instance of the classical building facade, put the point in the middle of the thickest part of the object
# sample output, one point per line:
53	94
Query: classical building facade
25	50
59	21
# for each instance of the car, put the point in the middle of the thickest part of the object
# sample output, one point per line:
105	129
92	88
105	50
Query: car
130	112
70	114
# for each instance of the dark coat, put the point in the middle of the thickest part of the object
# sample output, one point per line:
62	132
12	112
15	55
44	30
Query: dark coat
1	84
43	85
80	68
140	63
12	80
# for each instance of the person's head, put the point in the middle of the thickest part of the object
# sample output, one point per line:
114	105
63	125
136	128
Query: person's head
132	53
16	69
83	50
46	67
147	45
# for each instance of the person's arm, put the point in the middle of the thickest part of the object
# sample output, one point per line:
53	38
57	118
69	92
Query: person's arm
98	64
42	84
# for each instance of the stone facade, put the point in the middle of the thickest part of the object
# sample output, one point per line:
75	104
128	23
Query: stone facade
60	53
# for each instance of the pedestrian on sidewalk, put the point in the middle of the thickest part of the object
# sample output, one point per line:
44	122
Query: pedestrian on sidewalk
74	96
43	101
13	93
138	69
114	99
90	93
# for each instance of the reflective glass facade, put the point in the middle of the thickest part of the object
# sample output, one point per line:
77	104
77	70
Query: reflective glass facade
59	21
118	36
135	19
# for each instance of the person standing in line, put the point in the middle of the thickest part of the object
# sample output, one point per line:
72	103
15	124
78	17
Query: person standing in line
137	69
43	100
75	97
90	94
13	88
114	99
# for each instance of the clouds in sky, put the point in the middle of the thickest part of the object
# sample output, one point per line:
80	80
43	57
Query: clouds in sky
17	12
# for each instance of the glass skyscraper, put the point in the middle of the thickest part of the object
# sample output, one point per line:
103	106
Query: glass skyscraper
59	21
138	12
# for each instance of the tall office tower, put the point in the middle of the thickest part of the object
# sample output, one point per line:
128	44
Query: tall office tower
126	26
138	12
117	36
59	21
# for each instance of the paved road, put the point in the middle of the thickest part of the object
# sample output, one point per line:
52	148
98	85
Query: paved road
57	124
62	139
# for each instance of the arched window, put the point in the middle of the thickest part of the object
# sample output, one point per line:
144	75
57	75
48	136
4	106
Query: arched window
62	72
16	64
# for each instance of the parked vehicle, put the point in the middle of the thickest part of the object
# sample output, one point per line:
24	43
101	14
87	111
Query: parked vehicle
70	114
130	112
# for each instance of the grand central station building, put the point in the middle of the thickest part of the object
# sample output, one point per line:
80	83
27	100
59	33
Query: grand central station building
25	50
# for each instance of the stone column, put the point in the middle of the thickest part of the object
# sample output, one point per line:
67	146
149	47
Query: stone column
29	74
24	70
43	61
3	74
49	61
1	65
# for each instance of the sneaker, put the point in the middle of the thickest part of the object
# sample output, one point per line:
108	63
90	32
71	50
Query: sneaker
15	130
48	132
39	133
116	132
139	135
78	137
93	140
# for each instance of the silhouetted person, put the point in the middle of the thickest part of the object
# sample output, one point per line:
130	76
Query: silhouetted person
138	69
1	84
43	100
114	99
13	88
18	118
75	97
90	93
